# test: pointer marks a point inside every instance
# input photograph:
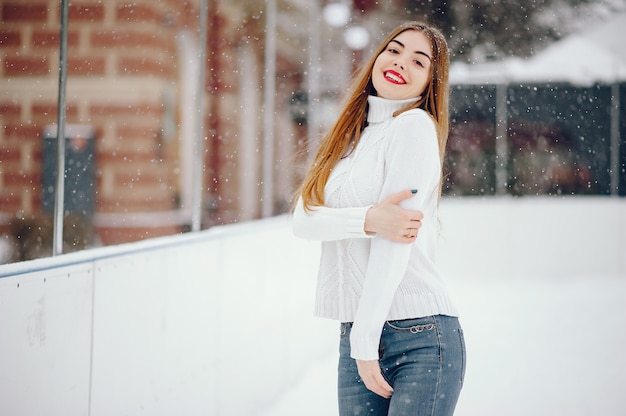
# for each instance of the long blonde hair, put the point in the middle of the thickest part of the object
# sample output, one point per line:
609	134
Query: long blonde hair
345	133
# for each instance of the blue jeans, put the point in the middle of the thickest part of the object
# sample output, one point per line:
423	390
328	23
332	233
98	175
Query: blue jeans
423	359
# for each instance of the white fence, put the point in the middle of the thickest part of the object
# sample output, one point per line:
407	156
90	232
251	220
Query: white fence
219	322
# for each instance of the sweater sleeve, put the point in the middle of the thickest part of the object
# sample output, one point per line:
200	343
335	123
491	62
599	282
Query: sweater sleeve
411	162
328	224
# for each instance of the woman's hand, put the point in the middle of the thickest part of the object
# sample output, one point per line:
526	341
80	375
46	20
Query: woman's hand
370	373
388	220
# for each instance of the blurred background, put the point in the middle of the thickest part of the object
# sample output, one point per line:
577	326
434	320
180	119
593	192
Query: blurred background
536	106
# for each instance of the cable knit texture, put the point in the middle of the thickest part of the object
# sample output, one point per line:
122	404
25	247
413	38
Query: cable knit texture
368	280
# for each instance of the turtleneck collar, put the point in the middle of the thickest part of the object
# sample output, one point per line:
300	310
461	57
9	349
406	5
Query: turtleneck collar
381	109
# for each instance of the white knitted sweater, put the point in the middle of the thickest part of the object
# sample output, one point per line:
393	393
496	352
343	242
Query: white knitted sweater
368	280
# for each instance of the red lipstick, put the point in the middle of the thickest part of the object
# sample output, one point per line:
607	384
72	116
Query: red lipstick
394	77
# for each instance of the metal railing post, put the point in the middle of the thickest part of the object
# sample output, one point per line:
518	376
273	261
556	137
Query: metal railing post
313	79
502	147
269	91
615	138
196	209
59	207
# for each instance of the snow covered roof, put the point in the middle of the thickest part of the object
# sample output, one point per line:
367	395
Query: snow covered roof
585	58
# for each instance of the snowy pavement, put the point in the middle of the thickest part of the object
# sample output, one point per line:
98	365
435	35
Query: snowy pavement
535	347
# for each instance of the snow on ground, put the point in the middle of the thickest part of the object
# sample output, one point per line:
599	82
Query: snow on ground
535	347
540	283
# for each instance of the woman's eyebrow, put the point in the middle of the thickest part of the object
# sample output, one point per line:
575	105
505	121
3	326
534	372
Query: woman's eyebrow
417	52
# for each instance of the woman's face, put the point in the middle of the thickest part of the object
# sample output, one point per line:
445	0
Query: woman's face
402	70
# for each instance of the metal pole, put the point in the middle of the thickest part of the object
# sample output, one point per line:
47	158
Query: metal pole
269	90
57	234
615	139
502	148
197	183
313	79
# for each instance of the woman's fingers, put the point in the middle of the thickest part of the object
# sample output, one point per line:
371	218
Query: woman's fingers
396	198
390	221
373	378
380	386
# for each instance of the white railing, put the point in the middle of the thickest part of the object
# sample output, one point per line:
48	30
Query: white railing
219	322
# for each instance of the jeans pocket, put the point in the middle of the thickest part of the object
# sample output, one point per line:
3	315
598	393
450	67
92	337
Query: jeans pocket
414	326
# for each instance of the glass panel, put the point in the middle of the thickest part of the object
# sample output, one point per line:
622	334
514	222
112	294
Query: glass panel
470	160
621	164
130	91
559	140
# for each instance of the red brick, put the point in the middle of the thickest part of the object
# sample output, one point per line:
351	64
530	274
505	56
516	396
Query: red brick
145	179
17	11
24	132
85	12
124	110
127	202
140	155
10	39
86	66
144	66
111	236
10	109
129	40
37	152
50	39
21	179
50	109
137	13
43	109
128	132
9	154
11	201
109	109
26	65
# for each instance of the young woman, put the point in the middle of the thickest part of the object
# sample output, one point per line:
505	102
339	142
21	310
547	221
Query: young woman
374	183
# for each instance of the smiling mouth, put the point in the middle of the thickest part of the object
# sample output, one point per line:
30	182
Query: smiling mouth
394	77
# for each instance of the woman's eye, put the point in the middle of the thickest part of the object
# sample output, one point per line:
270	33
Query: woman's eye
392	50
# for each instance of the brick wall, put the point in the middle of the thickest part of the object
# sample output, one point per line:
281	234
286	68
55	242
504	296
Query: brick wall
121	58
122	63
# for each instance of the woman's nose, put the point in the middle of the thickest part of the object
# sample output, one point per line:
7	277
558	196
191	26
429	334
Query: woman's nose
397	63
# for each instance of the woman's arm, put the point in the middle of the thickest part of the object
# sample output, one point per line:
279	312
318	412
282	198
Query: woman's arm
412	161
328	224
385	219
